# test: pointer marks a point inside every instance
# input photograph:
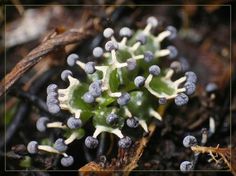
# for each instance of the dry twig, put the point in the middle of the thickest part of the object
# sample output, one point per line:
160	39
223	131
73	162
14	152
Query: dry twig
227	155
59	40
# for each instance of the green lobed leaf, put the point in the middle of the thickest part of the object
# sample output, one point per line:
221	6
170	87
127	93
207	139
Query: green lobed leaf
162	86
77	101
80	132
140	103
114	80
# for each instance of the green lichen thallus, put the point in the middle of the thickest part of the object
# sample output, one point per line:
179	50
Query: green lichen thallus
125	86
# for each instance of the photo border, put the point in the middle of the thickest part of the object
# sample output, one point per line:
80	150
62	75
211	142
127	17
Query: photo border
137	5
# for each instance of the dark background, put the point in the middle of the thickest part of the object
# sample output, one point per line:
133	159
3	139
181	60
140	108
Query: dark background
203	42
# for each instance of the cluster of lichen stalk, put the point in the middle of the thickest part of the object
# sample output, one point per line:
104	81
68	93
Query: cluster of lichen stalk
123	86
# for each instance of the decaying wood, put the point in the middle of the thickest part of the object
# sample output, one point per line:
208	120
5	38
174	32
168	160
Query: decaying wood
60	40
233	161
93	167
